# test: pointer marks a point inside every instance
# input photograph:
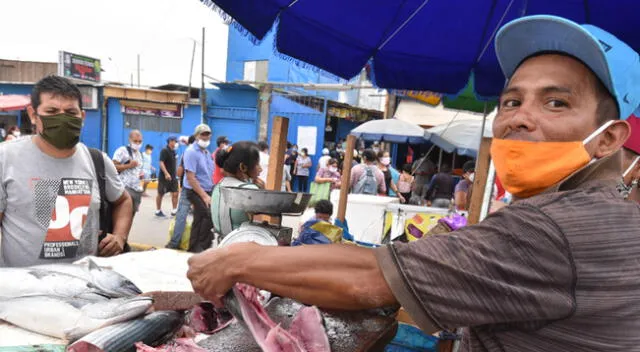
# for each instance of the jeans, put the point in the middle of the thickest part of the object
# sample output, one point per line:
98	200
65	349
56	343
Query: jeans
302	184
201	228
181	219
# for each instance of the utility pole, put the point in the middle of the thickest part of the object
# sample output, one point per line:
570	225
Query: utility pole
138	70
193	56
203	93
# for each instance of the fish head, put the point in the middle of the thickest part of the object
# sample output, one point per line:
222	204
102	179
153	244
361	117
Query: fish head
111	282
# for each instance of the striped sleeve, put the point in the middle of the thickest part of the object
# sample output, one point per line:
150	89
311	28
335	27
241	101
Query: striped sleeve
513	267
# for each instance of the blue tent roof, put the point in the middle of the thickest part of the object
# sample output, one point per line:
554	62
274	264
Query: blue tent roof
413	44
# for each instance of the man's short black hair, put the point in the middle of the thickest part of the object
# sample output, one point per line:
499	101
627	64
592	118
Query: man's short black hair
324	207
222	140
369	155
263	146
56	86
469	166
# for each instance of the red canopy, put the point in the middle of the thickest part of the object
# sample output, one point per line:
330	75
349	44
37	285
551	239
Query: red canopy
14	102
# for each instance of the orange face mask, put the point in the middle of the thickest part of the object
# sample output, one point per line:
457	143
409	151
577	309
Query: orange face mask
528	168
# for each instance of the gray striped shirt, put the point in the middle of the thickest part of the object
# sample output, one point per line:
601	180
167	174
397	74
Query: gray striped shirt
556	272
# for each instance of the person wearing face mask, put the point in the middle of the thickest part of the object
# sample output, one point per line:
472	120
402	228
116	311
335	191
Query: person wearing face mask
302	170
49	191
198	183
241	165
147	168
461	194
128	161
329	174
391	175
167	180
628	186
557	269
13	133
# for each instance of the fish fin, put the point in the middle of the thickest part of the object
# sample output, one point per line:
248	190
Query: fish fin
93	265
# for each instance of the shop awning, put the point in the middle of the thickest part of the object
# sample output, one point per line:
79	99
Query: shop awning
428	116
14	102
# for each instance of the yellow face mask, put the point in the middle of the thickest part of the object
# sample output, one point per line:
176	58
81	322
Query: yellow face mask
528	168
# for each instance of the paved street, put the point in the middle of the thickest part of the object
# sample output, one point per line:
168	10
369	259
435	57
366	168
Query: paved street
149	229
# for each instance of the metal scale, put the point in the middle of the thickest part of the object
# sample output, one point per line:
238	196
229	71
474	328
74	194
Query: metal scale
261	202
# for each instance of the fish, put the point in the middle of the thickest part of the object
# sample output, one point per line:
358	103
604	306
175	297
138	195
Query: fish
20	282
152	330
70	318
109	282
306	333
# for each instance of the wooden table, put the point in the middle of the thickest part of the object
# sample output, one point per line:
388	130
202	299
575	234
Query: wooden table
347	331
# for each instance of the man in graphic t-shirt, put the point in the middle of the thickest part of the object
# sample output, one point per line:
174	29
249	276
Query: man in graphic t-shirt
49	195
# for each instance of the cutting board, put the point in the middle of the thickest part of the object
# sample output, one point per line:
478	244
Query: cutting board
347	331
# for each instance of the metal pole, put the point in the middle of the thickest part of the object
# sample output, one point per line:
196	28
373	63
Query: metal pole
193	56
203	93
138	70
440	161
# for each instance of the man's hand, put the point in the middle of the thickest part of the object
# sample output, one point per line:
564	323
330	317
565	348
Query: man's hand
111	245
207	200
167	176
133	164
209	272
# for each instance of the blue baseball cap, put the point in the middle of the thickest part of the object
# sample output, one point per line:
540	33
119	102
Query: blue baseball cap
172	138
615	63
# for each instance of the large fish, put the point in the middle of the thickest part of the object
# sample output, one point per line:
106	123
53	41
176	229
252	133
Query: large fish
70	318
152	330
21	282
107	281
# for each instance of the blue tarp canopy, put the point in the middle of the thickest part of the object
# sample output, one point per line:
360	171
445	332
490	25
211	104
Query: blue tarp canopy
413	44
391	130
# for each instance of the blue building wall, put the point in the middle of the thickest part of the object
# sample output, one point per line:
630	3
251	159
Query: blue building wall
299	115
119	134
241	49
232	112
92	129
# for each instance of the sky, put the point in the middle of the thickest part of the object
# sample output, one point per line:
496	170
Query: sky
162	32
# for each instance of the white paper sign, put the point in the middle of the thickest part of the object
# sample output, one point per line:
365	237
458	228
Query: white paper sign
307	137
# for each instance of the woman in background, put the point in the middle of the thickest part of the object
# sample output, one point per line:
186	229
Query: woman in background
303	166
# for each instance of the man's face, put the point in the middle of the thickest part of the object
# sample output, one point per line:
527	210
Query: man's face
172	144
53	105
204	136
135	138
549	98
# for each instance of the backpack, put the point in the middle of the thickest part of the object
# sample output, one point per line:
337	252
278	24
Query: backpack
367	184
106	208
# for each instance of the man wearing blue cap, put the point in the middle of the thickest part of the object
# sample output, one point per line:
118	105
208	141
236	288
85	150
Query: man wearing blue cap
557	270
167	180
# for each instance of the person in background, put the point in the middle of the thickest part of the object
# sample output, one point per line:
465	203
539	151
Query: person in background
264	160
241	165
198	167
384	164
310	233
324	159
167	180
366	178
13	133
128	162
290	157
303	165
357	159
147	168
462	192
49	192
222	142
440	190
329	174
183	204
405	182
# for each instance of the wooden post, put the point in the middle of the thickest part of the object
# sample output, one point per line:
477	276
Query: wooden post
480	181
264	108
346	177
276	153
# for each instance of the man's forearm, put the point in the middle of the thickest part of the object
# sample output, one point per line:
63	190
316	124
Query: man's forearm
163	168
330	276
123	215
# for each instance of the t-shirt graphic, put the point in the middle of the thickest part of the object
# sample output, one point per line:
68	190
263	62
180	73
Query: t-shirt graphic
67	214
